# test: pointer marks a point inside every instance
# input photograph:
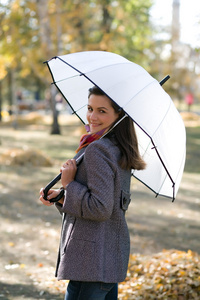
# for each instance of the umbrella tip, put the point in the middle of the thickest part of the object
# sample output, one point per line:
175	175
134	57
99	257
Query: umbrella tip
164	80
46	62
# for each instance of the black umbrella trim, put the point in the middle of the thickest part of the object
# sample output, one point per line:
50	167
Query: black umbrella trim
157	194
54	82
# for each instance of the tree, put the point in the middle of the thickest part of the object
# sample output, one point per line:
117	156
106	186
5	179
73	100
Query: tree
48	46
35	30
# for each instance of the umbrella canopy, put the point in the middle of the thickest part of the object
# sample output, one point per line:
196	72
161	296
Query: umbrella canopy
159	127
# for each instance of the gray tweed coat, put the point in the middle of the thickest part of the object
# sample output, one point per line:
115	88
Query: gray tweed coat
95	241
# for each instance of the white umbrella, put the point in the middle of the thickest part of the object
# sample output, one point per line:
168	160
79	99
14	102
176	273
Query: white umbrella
160	129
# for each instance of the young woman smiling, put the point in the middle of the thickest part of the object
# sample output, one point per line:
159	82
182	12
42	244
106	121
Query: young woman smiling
94	248
100	114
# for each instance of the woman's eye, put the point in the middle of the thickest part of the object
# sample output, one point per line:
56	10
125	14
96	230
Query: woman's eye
89	109
102	111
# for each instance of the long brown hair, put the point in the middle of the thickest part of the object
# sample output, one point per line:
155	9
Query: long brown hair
125	136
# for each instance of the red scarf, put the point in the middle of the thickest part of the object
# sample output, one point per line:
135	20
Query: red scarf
86	139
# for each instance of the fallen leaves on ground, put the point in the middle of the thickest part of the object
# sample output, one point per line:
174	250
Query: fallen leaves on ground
167	275
189	116
23	119
22	157
170	274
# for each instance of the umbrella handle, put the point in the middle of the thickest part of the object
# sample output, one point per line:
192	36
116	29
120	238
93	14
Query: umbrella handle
50	185
55	180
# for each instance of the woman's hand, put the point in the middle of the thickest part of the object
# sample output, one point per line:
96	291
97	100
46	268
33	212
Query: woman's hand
51	194
68	172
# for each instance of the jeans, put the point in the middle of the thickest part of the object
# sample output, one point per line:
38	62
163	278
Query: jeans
79	290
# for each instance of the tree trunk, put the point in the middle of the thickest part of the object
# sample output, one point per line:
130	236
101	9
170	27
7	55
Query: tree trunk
10	97
45	36
55	129
107	19
0	100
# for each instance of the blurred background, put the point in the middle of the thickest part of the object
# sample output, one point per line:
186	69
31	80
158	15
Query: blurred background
161	36
38	133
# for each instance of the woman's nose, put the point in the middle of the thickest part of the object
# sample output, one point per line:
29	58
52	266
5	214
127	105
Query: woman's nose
93	116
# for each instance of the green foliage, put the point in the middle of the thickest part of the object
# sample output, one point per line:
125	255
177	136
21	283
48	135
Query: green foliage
34	31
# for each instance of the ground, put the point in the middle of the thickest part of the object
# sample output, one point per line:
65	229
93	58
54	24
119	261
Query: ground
29	231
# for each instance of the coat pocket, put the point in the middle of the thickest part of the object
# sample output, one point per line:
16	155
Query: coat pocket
80	255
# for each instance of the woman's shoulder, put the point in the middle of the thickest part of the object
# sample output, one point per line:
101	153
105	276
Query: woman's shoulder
103	146
105	143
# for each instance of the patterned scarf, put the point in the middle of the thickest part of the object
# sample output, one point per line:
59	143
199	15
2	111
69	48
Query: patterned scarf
86	139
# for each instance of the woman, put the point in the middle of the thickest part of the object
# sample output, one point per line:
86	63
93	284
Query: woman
94	248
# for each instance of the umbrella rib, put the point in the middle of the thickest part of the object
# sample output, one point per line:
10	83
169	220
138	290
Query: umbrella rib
74	112
135	95
162	162
66	63
81	73
65	79
154	146
54	82
173	183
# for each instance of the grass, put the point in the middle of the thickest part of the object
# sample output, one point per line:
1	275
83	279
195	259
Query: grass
192	150
30	232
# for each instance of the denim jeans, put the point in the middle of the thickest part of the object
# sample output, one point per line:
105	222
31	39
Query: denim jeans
79	290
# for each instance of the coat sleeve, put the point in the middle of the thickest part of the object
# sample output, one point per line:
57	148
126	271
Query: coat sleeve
95	200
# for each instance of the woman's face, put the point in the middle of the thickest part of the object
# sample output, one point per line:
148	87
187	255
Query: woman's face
100	113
